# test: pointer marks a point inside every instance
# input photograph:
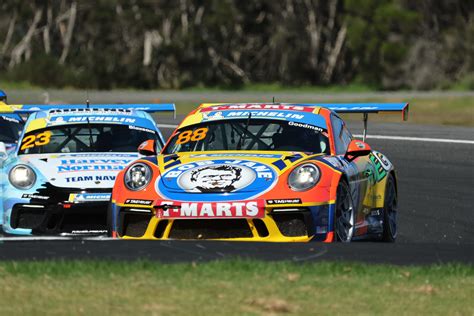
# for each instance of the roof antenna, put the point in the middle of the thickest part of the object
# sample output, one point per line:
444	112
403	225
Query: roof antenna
87	99
91	139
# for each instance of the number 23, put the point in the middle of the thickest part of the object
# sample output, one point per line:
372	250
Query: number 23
36	140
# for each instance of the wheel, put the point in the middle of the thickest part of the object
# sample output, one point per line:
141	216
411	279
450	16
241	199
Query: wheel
390	211
109	220
345	214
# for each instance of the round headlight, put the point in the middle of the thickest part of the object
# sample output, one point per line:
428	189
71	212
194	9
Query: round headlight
22	177
138	176
304	177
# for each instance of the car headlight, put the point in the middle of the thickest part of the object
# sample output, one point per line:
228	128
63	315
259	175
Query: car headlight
22	177
304	177
138	176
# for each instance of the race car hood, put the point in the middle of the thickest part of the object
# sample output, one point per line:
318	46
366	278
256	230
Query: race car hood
81	170
214	176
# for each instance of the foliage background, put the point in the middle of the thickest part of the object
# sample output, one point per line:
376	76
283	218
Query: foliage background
105	44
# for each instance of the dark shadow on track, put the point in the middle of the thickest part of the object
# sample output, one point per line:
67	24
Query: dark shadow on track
201	251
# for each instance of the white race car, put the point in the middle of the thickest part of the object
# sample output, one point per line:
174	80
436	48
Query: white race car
59	179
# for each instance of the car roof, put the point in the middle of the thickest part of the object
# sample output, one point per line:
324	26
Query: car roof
283	111
58	117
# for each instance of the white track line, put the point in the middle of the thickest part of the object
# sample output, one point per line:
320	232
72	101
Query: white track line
167	125
420	139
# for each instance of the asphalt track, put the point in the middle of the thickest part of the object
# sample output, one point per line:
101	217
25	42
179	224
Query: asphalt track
436	218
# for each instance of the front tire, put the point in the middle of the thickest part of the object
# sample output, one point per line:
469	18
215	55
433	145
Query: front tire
109	220
390	211
344	219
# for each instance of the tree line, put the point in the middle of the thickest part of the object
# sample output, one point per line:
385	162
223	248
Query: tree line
386	44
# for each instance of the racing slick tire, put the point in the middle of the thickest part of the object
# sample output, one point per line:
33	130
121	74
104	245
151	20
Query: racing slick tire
390	211
344	217
109	220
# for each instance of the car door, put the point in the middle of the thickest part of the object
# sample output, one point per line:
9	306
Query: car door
359	171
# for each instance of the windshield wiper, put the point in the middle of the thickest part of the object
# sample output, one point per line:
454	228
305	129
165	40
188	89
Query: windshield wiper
239	144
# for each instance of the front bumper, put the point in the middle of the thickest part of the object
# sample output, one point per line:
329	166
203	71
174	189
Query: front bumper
298	223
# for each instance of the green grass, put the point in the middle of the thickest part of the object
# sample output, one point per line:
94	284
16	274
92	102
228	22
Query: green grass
233	288
17	85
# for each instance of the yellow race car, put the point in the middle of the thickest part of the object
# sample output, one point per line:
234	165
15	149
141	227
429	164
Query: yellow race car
260	172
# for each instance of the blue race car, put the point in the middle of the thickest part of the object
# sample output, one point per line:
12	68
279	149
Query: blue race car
59	179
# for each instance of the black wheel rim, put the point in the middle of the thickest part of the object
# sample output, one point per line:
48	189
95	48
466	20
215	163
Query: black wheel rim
344	215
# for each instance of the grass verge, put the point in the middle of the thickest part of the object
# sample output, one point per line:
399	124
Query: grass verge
233	288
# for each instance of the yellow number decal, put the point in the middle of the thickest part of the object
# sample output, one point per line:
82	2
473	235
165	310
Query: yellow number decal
36	140
192	136
28	142
199	134
43	138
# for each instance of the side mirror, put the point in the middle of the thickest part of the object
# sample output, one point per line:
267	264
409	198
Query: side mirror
357	148
148	148
3	151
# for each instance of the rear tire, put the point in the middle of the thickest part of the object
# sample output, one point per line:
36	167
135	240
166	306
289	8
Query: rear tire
344	217
390	211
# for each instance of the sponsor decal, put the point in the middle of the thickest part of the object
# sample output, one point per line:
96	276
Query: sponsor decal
143	129
308	126
376	212
382	165
229	179
236	155
361	108
10	119
193	210
133	155
72	165
210	117
86	232
107	119
34	196
283	107
90	178
88	197
272	114
138	202
284	201
360	145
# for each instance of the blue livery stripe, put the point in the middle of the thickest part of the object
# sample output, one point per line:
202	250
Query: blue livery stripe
280	164
171	164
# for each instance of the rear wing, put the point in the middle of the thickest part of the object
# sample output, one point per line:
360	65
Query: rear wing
31	108
366	108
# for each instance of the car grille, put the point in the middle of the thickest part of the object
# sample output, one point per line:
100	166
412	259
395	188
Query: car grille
210	229
135	224
291	224
23	217
54	220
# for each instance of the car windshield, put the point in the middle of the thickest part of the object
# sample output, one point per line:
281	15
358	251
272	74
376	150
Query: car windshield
10	129
80	138
251	134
